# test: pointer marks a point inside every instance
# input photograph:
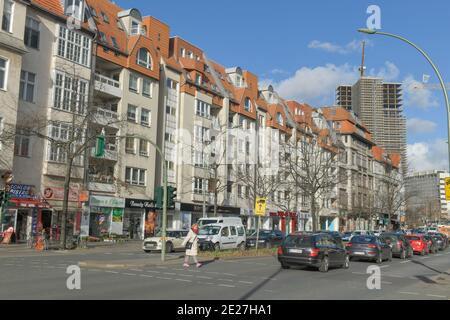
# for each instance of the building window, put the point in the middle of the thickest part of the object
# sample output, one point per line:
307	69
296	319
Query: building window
198	79
199	185
144	59
130	145
145	117
201	134
279	118
114	42
104	17
27	86
135	176
248	105
132	113
3	73
70	93
203	109
8	6
60	133
143	147
183	52
74	8
133	85
103	37
147	87
32	33
22	146
74	46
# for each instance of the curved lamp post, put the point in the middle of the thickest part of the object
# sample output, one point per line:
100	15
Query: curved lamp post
369	31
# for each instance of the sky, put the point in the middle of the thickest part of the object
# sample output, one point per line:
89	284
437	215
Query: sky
306	48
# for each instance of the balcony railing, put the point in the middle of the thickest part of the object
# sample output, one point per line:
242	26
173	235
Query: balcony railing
110	152
107	85
106	117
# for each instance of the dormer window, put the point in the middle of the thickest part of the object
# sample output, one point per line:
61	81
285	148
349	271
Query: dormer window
183	52
190	55
104	17
144	58
93	12
279	118
73	8
248	105
103	37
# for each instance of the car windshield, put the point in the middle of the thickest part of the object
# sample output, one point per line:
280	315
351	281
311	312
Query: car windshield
346	234
209	231
299	241
168	233
363	239
413	238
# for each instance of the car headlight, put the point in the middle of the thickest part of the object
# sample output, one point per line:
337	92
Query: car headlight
261	240
208	238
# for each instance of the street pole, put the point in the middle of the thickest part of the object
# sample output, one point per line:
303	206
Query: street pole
441	80
255	178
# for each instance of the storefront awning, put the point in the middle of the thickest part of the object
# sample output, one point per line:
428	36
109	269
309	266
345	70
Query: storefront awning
30	203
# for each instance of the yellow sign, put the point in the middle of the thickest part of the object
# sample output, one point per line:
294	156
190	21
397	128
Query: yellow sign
447	189
260	206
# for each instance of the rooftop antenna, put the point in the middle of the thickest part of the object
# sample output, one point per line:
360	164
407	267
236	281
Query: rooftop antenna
363	67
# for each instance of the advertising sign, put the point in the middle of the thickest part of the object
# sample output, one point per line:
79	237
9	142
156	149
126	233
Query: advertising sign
52	193
21	191
447	189
108	202
260	206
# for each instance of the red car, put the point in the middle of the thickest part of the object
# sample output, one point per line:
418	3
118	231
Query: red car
418	243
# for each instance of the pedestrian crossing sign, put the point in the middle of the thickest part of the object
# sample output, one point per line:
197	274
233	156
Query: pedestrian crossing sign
447	189
260	206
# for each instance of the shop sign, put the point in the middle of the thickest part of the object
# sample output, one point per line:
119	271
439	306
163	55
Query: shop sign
210	209
21	191
108	202
52	193
139	204
117	215
284	214
34	221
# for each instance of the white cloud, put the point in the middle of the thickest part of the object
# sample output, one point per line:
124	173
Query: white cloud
416	95
352	46
389	72
316	84
416	125
278	71
428	155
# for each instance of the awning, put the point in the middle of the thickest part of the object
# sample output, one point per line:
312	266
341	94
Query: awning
30	203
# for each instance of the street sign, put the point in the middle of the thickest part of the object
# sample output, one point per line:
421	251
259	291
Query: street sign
260	206
447	189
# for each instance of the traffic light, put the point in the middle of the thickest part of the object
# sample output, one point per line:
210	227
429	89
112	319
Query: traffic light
171	196
4	198
159	194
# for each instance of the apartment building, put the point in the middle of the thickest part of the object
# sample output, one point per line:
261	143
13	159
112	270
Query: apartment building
426	197
12	49
379	105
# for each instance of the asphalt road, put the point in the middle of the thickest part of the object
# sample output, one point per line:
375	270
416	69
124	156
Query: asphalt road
31	275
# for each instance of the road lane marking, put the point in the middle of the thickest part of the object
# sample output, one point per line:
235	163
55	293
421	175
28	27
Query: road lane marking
410	293
183	280
407	261
163	278
230	274
227	285
129	274
115	272
137	270
107	253
185	275
170	273
153	271
229	280
436	296
246	282
146	276
203	277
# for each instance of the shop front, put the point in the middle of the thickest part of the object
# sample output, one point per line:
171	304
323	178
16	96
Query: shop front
134	218
287	222
26	212
106	215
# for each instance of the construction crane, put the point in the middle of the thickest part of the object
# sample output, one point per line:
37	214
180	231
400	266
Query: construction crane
429	86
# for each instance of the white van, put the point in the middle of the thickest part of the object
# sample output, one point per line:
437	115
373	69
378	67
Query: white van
214	220
222	236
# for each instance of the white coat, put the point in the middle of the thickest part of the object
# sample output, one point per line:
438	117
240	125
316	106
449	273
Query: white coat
191	237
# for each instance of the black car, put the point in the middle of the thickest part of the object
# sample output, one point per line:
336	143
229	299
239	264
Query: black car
369	248
440	241
444	238
319	250
266	239
399	244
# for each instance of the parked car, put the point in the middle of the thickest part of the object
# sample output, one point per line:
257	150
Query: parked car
443	236
433	246
399	244
440	241
418	243
369	247
319	250
174	241
266	239
221	236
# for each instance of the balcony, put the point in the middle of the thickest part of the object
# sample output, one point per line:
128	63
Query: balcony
105	117
108	86
102	183
110	152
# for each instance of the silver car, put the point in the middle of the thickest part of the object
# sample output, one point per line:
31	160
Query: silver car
174	241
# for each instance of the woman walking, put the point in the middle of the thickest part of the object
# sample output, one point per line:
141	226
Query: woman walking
191	245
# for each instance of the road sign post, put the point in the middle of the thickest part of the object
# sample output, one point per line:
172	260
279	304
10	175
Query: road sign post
260	210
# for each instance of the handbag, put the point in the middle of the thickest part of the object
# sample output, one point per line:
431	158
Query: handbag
189	244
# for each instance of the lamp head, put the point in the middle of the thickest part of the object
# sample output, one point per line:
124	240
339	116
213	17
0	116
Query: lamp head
368	31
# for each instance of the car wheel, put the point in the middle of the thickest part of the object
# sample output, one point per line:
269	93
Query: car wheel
346	262
379	258
403	255
169	247
217	247
148	251
242	246
285	266
324	264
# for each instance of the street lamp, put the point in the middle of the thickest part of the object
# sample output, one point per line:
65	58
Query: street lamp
370	31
